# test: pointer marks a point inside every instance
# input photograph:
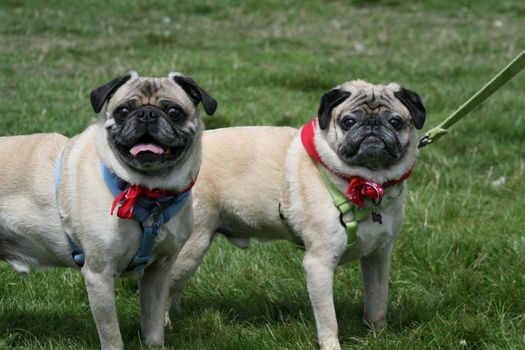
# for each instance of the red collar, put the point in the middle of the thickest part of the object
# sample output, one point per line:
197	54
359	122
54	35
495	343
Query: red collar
358	188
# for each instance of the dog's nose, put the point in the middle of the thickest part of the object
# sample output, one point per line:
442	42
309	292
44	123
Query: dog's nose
373	122
147	116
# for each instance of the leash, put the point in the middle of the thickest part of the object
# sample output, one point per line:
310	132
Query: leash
506	74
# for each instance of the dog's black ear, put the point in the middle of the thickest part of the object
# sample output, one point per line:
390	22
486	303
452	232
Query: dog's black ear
414	104
328	102
197	93
100	95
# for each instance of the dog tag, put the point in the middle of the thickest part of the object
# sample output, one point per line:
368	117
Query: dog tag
376	217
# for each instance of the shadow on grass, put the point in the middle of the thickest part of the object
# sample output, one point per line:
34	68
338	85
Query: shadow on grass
255	309
44	327
258	311
201	318
67	329
287	320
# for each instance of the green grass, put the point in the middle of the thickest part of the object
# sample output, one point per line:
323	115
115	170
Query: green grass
458	271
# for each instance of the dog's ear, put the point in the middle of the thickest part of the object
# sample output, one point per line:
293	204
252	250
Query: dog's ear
328	102
414	104
101	94
196	93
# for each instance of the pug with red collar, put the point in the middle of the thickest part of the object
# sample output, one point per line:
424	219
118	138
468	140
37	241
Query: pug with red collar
114	200
336	186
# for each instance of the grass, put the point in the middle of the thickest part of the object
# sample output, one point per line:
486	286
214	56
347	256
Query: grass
458	271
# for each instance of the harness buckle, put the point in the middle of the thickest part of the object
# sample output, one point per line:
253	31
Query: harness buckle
156	213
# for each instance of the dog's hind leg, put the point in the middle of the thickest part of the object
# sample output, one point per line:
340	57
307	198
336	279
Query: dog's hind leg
154	289
187	262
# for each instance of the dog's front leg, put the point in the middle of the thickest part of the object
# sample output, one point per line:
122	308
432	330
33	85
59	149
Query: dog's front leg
101	293
375	269
154	288
319	279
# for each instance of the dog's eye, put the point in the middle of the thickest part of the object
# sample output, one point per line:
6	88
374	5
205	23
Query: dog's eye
175	112
122	112
347	122
396	122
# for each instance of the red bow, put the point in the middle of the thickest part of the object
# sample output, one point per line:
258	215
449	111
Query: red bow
359	188
129	197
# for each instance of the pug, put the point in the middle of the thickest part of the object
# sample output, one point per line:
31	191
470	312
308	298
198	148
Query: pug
273	183
114	200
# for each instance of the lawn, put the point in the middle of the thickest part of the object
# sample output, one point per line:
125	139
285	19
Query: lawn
458	270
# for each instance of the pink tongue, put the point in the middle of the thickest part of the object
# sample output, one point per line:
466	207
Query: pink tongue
146	147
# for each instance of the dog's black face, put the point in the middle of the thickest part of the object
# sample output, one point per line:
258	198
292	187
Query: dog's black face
374	129
151	138
372	139
152	123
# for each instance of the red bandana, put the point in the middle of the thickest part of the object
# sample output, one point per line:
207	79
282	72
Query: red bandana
129	197
358	188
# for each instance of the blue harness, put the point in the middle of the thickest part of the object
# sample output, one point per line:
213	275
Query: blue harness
159	210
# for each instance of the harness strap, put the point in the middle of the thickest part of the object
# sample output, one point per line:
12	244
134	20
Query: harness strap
58	172
169	206
160	213
146	245
76	252
151	213
345	206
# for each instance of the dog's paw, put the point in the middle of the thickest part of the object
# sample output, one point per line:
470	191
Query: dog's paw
330	345
375	325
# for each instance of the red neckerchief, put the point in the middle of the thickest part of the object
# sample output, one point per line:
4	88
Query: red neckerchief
130	195
358	188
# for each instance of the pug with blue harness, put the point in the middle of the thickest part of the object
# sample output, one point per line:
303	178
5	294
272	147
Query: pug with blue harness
114	200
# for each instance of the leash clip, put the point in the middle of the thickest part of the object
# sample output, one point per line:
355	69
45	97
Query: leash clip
424	141
432	135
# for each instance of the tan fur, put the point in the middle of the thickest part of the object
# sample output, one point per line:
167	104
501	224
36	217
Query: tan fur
32	233
245	174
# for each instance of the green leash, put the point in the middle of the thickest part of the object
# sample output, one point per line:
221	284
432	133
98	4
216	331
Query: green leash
506	74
